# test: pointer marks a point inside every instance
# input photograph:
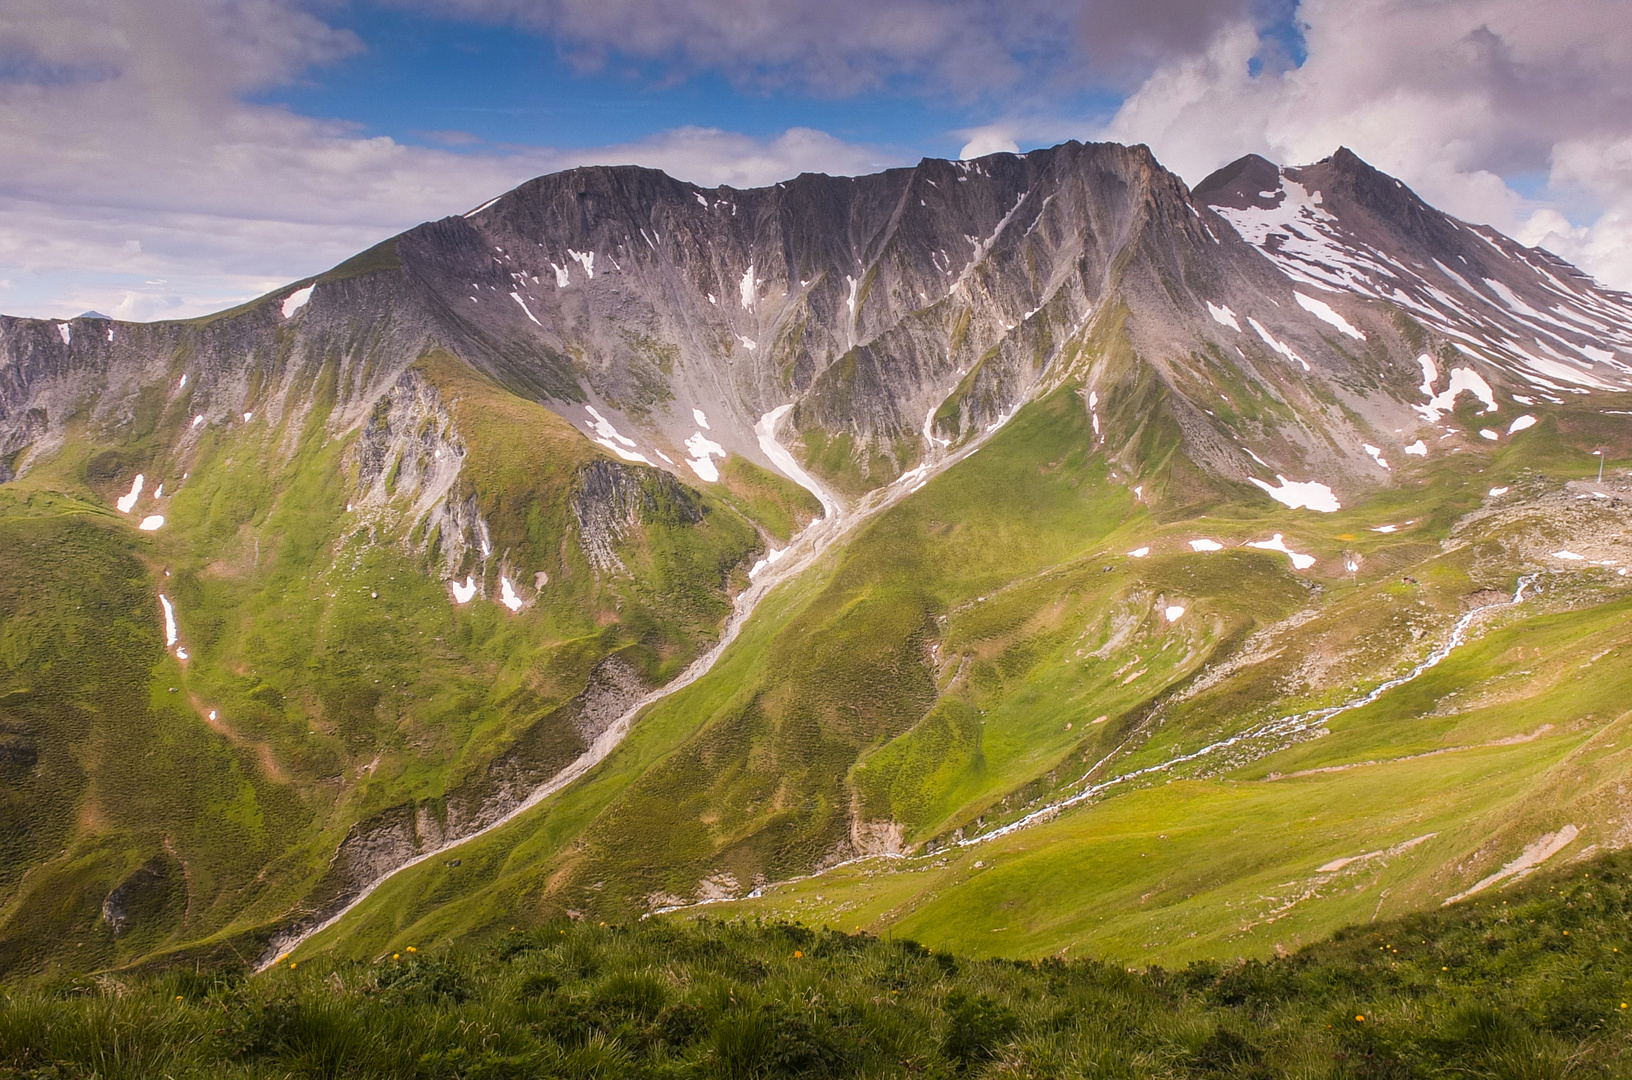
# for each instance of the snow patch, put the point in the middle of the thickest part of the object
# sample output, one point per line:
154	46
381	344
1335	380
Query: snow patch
1255	457
1275	543
1489	433
1174	612
1376	454
462	594
1206	545
1139	553
1523	423
1430	375
1463	381
929	430
1297	496
296	300
1284	350
1496	492
778	454
770	559
1417	449
67	333
128	500
1569	556
169	620
1223	316
563	276
1323	311
702	448
516	296
746	288
507	595
152	523
702	421
603	427
586	259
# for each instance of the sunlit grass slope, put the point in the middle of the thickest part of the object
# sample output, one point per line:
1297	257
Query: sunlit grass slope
988	646
328	676
1534	985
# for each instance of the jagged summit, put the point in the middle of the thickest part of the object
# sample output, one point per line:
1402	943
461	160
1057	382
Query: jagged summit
1247	181
1343	227
895	315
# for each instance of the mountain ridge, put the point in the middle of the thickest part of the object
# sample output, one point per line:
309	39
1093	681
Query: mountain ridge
526	463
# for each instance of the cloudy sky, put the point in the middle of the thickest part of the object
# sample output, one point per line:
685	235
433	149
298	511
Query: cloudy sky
169	157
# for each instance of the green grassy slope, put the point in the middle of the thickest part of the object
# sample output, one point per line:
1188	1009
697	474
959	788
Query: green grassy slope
754	776
329	676
1534	985
987	646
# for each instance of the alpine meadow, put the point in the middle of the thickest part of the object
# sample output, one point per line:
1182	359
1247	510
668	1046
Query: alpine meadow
1023	616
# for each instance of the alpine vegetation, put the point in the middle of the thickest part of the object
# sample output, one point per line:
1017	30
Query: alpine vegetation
601	632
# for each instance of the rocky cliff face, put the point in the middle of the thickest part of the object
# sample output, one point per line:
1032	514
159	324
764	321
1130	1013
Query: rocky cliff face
897	313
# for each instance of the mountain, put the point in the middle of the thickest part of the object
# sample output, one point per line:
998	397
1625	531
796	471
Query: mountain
1029	546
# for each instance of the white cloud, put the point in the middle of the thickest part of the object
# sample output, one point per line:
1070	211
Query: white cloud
956	47
711	157
1448	96
138	179
139	182
996	139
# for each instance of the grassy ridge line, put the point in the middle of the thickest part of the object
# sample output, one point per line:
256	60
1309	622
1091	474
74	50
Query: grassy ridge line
1536	984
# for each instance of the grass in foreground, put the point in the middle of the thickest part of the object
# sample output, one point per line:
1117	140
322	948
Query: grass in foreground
1531	983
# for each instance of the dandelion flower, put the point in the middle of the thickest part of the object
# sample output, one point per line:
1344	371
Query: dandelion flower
1360	1019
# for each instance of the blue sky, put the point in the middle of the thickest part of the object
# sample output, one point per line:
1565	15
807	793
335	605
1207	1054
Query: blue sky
170	157
423	77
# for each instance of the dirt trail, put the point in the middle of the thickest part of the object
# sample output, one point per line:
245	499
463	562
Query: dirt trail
263	751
